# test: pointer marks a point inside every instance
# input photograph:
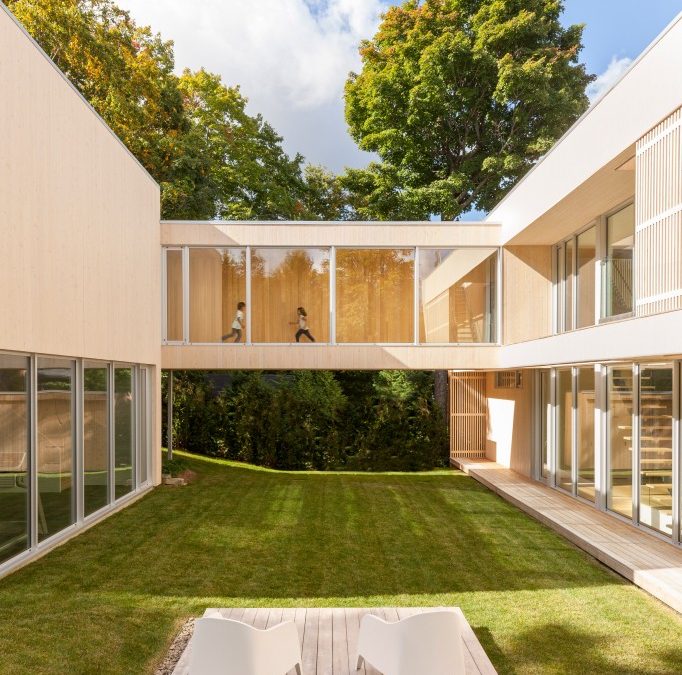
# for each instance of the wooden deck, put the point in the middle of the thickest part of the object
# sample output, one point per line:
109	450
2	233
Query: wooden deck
329	637
644	559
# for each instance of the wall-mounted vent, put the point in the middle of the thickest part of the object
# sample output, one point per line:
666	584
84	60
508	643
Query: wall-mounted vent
508	379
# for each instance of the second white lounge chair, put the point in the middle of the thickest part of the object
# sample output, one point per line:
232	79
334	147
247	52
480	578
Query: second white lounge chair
226	647
424	643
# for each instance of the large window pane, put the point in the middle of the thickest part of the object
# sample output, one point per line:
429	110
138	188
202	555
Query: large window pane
56	508
564	429
560	297
568	286
585	409
656	447
587	251
619	451
457	295
290	294
217	285
617	266
123	431
95	437
375	295
545	421
174	300
14	454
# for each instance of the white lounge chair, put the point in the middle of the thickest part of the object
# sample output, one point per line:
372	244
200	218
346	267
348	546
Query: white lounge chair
227	647
424	643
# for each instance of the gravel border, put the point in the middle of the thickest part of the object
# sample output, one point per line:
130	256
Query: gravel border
176	649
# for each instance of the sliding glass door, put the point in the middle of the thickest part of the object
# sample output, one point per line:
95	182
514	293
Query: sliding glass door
14	455
564	429
656	447
619	455
585	456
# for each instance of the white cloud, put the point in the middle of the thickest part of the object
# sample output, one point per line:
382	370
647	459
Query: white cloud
291	58
608	78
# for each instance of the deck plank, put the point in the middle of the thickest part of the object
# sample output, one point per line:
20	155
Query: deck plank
339	643
325	643
309	653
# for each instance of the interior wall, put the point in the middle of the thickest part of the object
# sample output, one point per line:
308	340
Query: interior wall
527	283
509	439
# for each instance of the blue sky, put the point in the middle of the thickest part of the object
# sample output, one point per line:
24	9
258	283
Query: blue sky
291	57
620	28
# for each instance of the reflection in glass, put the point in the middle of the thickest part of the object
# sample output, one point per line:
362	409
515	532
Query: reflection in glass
617	266
585	410
375	295
457	295
545	420
95	437
656	447
564	429
619	441
587	251
144	429
56	508
14	453
217	284
123	431
282	281
174	295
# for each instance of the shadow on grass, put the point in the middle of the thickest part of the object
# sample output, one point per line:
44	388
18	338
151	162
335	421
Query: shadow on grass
558	648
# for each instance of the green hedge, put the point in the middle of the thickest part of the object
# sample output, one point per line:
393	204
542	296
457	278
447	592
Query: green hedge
377	421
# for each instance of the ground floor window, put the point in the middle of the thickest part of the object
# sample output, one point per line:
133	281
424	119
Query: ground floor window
609	434
75	436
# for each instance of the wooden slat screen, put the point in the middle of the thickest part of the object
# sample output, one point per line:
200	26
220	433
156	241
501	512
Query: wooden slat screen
658	218
468	414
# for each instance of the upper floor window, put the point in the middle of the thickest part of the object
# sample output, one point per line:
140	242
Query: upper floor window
610	242
616	266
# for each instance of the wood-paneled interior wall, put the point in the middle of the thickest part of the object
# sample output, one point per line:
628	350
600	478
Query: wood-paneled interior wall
458	315
283	280
95	431
55	437
586	402
174	295
375	295
658	218
510	424
468	414
13	431
217	282
527	293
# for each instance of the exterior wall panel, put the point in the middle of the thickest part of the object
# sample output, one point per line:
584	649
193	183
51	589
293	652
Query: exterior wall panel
658	217
79	222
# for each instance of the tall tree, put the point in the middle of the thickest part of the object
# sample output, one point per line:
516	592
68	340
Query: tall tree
248	174
192	133
459	98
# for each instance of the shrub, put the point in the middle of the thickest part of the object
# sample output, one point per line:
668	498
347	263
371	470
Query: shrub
385	420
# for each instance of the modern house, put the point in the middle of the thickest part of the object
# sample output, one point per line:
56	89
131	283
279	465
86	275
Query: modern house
559	317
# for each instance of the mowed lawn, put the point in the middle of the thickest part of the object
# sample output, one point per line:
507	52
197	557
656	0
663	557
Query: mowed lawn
111	600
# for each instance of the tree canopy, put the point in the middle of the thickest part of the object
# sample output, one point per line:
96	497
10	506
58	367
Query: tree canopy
459	98
191	132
